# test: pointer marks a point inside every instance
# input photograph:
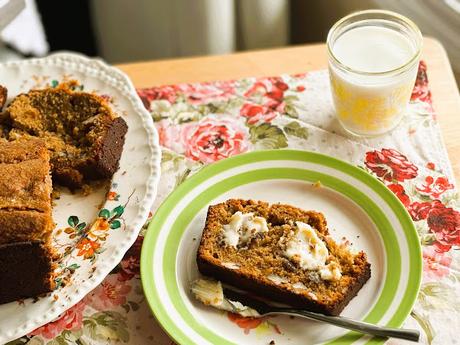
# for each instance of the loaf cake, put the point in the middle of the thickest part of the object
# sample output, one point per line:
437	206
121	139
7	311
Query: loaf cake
281	253
83	135
26	255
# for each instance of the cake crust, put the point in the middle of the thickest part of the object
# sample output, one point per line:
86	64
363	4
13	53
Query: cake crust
27	150
25	185
251	267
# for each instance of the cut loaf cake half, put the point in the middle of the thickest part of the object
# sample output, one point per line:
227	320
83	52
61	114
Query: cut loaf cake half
281	253
27	258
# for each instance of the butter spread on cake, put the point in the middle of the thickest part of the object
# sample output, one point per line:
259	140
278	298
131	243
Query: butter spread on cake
242	228
306	250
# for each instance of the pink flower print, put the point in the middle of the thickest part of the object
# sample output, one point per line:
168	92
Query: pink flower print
202	93
110	293
300	88
168	93
257	113
434	187
430	165
420	210
399	191
214	138
259	88
435	264
69	320
168	134
444	222
390	165
421	91
129	268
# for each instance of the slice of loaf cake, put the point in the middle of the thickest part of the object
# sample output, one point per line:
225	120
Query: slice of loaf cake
84	137
26	255
281	253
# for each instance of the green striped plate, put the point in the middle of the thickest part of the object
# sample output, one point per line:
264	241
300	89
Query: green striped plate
356	205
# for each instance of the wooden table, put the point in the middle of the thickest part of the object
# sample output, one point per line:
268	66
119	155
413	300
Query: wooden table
300	59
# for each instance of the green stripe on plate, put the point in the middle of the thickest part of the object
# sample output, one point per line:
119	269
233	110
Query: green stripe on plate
173	240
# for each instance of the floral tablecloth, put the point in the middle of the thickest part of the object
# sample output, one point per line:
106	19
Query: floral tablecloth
201	123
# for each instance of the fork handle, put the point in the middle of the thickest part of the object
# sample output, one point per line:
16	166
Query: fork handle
354	325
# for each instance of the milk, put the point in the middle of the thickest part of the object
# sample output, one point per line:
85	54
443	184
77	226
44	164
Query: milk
369	98
373	49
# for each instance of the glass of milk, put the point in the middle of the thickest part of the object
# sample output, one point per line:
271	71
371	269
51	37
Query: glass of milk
373	62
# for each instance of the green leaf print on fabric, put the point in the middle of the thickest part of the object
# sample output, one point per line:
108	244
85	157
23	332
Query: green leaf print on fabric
267	136
171	161
188	116
67	337
183	176
106	326
291	111
25	340
426	326
294	128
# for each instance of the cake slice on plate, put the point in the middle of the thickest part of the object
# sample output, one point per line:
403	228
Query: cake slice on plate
281	253
84	136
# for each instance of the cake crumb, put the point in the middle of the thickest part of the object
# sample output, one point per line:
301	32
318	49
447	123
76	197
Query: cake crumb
272	342
56	194
86	189
317	184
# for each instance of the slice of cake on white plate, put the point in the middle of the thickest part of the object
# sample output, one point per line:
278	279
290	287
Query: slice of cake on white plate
281	253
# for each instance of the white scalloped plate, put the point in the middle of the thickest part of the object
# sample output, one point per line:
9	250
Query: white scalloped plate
95	237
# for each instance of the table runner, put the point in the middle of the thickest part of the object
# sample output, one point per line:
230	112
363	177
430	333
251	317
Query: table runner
204	122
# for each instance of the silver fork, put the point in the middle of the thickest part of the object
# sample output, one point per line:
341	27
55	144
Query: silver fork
265	309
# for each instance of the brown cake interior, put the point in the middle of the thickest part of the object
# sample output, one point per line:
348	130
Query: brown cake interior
26	269
251	265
